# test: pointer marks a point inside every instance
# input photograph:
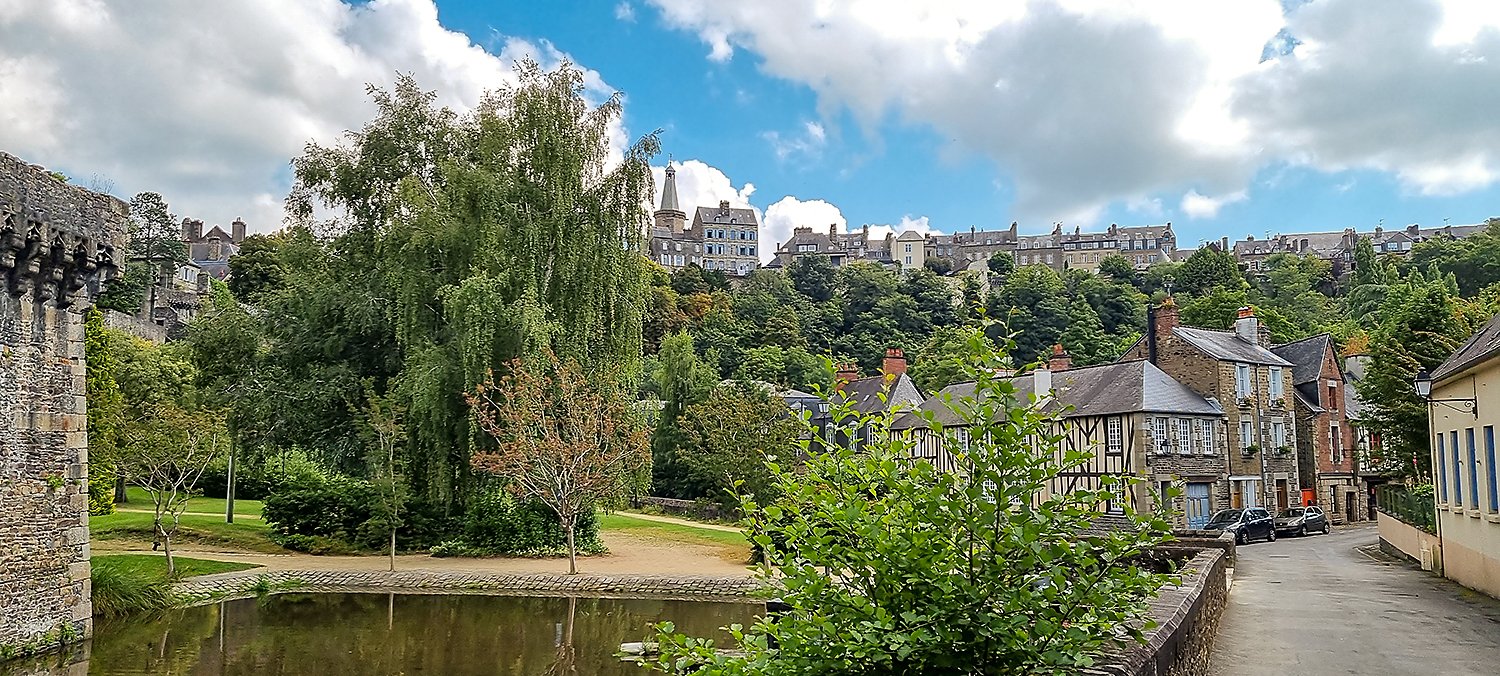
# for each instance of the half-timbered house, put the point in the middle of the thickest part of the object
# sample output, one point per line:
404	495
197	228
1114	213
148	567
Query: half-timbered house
1131	419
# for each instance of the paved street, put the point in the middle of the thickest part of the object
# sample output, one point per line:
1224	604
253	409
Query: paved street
1317	605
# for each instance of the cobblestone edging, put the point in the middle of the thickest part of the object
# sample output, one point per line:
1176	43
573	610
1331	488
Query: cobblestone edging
241	584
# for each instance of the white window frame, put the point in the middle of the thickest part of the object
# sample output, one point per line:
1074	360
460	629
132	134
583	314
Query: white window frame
1160	439
1247	434
1276	383
1113	436
1278	433
1184	437
1242	376
1206	432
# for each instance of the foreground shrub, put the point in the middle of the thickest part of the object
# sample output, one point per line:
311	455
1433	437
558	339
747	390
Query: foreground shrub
889	566
499	523
338	515
121	588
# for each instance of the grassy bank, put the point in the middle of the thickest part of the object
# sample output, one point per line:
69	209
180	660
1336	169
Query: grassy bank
734	544
140	499
203	531
124	584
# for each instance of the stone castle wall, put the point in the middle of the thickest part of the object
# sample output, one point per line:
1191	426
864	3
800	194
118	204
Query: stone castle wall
58	243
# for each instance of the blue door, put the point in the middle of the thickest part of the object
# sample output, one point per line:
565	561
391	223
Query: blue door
1197	505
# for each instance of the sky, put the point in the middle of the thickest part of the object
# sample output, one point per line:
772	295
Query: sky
1226	118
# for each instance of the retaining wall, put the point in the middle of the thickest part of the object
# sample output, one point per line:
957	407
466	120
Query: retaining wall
1187	617
1399	538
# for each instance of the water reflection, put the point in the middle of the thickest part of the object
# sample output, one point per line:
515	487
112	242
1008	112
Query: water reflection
390	634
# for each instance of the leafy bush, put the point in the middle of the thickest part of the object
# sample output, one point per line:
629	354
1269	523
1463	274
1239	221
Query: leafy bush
497	523
339	514
256	478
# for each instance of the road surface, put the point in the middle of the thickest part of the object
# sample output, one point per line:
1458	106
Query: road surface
1320	605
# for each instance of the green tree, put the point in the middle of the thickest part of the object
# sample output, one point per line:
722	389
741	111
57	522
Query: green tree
1084	339
939	363
1119	268
1217	310
938	266
1208	269
255	269
813	276
729	459
683	380
1002	263
1032	304
497	234
892	567
105	408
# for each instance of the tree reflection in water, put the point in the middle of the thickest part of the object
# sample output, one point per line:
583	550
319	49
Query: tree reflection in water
342	635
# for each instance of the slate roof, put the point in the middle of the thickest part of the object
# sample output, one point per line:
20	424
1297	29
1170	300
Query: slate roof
1302	396
1228	346
1106	389
1306	356
1484	344
706	215
864	394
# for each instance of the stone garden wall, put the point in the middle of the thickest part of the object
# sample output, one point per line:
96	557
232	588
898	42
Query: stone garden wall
1187	617
58	243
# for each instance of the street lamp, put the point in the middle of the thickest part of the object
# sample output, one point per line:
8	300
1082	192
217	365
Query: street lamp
1424	390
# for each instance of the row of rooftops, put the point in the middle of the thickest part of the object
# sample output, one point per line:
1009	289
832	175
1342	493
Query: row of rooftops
1336	244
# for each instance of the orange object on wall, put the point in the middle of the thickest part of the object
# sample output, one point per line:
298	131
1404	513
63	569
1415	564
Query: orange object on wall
1309	496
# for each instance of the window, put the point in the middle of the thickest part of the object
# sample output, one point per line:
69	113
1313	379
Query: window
1206	436
1278	433
1113	436
908	260
1473	469
1184	437
1162	441
1442	468
1276	390
1489	465
1049	259
1458	478
1335	444
677	246
908	248
1246	434
1241	380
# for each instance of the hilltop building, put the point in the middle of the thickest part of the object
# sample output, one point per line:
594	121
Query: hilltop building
722	238
1338	247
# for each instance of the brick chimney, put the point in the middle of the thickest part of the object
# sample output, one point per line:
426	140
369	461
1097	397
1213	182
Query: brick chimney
894	364
1060	361
1160	321
192	230
844	374
237	231
1247	327
833	230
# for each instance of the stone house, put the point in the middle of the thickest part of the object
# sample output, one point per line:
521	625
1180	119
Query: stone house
210	251
721	238
1238	369
1327	464
892	392
1129	416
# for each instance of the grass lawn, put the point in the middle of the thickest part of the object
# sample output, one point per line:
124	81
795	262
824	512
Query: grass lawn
245	535
155	565
140	499
672	531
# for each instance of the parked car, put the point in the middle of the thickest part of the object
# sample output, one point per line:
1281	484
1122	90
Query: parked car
1246	524
1302	520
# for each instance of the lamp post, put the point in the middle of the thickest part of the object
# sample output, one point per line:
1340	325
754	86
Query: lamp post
1423	384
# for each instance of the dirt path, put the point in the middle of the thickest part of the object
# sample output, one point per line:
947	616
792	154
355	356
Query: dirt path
628	554
680	522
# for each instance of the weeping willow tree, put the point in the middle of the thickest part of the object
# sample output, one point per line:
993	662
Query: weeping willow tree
498	234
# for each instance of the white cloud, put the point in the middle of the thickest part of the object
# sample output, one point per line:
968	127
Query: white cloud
1196	205
700	185
206	102
625	12
809	145
1088	103
790	212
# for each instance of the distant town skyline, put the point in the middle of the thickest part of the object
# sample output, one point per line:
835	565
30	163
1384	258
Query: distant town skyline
1226	119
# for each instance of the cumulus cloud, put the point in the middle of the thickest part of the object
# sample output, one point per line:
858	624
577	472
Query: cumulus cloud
206	102
1196	205
1088	103
791	212
700	185
625	12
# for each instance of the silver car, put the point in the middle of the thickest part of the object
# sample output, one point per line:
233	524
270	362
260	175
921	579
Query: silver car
1302	520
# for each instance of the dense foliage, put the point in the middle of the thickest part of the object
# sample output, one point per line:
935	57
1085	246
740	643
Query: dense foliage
890	566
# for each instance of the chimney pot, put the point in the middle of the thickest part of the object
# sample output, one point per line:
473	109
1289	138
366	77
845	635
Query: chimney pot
1060	360
845	373
894	364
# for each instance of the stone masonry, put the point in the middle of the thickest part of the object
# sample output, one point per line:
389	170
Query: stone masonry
58	243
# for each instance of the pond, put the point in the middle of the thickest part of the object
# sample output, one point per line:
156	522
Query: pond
390	634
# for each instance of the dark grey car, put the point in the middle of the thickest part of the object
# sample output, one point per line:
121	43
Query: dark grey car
1302	520
1245	524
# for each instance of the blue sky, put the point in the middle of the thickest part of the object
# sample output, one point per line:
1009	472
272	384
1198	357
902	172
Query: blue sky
1225	118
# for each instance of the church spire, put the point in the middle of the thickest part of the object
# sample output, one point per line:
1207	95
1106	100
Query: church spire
669	190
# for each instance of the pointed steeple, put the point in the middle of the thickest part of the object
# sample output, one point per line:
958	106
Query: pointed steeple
669	190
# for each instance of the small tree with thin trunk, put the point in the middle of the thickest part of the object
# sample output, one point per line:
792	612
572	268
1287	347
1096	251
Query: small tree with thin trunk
386	431
166	449
565	437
